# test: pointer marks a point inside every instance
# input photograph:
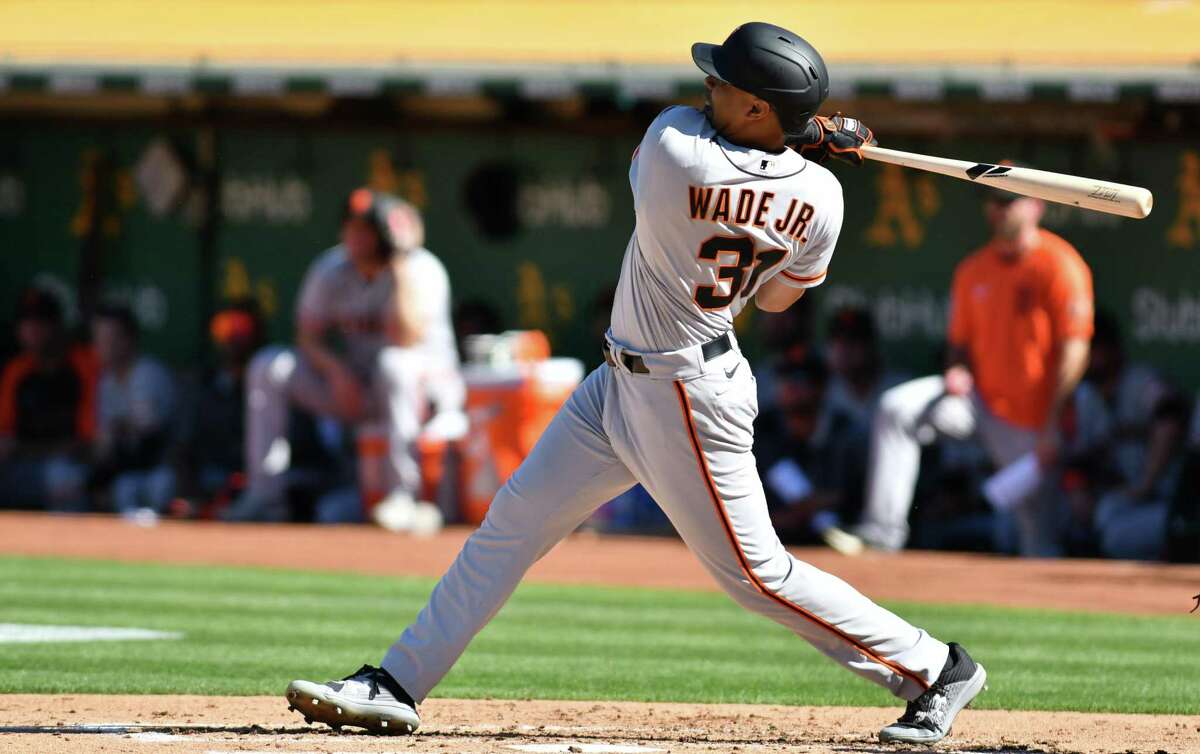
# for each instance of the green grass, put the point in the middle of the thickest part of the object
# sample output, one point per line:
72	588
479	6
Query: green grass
251	630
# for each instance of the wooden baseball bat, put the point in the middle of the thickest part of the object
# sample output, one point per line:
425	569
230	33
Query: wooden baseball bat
1089	193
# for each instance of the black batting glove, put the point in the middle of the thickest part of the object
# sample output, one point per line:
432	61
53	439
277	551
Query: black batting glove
841	137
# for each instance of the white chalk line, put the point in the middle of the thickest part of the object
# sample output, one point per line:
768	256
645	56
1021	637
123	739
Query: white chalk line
31	633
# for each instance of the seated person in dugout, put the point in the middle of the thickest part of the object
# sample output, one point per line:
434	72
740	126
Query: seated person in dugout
135	420
208	452
47	411
1140	458
811	455
374	349
858	376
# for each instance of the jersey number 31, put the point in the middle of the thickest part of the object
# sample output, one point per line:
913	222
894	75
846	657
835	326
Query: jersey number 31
742	247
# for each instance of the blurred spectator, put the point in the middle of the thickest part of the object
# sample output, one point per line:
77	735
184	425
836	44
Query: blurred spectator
136	404
811	459
952	515
375	348
1085	431
1132	396
47	411
1138	469
1020	322
1131	522
209	452
1183	515
858	377
787	340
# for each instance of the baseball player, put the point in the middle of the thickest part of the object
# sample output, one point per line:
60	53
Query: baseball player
375	341
726	213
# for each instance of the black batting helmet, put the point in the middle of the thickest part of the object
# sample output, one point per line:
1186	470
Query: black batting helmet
395	221
773	64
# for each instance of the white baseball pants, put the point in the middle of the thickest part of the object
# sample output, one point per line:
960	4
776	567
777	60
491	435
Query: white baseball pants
396	395
685	432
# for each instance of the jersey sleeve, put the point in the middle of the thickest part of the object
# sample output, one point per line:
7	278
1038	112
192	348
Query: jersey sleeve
1071	299
959	327
817	245
670	149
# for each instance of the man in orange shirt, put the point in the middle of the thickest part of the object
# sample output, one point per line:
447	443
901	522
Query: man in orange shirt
47	411
1020	329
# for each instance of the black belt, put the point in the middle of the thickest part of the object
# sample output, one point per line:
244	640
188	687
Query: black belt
634	363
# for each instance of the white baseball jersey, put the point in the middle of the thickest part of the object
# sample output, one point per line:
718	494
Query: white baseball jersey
714	222
400	382
335	295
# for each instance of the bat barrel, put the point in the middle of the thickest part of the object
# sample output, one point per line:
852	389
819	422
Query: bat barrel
1088	193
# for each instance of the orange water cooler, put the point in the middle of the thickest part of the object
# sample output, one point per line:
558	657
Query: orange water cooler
509	407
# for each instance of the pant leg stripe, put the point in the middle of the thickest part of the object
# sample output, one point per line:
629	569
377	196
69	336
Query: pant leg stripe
685	406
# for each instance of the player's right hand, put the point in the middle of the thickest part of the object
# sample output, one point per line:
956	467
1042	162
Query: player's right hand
841	137
959	380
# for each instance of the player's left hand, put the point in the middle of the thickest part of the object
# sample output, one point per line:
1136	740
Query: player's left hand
841	137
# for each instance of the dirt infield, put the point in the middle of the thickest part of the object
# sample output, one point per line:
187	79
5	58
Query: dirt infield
206	725
1107	586
213	725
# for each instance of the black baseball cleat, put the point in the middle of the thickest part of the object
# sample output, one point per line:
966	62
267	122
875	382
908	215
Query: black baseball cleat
368	698
928	717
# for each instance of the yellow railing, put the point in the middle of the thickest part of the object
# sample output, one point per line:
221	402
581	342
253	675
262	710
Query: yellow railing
1055	32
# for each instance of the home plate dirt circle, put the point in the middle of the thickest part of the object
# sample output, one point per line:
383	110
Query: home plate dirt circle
34	724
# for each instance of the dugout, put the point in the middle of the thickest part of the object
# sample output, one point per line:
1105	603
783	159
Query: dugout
176	157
